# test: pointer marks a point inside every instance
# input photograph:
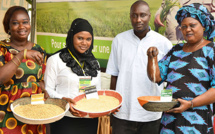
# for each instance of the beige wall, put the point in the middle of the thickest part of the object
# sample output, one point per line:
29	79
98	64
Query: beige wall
4	5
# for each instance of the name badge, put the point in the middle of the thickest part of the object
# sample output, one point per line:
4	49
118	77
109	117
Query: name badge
84	81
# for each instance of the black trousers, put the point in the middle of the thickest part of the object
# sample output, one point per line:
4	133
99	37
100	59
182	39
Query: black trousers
68	125
120	126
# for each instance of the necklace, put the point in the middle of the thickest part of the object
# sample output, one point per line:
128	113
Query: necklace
194	47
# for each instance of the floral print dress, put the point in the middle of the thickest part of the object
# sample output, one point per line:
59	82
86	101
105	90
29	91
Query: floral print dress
22	84
189	74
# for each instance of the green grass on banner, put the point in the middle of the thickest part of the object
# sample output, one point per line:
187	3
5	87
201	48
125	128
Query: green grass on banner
108	17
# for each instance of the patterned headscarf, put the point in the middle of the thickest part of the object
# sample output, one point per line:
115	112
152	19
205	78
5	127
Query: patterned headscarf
90	63
201	13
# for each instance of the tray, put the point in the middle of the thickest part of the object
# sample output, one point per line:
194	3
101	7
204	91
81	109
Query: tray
27	100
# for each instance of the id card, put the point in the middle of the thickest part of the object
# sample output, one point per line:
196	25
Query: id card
84	81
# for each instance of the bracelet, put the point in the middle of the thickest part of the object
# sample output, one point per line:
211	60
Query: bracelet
15	63
25	52
18	59
191	104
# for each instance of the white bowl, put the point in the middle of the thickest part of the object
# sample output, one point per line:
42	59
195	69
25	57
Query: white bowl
27	100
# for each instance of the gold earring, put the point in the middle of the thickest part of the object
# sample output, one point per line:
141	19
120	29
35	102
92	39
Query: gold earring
203	29
8	39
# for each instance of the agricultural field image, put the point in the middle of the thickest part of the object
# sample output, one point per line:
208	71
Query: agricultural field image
108	17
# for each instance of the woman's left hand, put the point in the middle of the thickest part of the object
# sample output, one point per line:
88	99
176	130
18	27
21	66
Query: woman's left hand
35	55
184	105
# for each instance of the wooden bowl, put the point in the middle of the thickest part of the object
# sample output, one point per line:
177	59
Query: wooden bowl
87	114
27	100
153	103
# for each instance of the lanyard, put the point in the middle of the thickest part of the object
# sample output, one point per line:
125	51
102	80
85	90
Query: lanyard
77	62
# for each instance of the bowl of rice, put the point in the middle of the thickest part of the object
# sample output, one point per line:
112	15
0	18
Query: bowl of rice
52	110
109	101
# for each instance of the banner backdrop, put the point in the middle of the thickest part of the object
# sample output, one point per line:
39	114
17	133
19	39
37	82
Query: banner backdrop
107	17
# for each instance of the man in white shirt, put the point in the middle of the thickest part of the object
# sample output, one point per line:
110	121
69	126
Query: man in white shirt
127	66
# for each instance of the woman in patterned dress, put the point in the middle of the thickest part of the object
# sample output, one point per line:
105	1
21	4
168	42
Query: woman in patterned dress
189	70
22	65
